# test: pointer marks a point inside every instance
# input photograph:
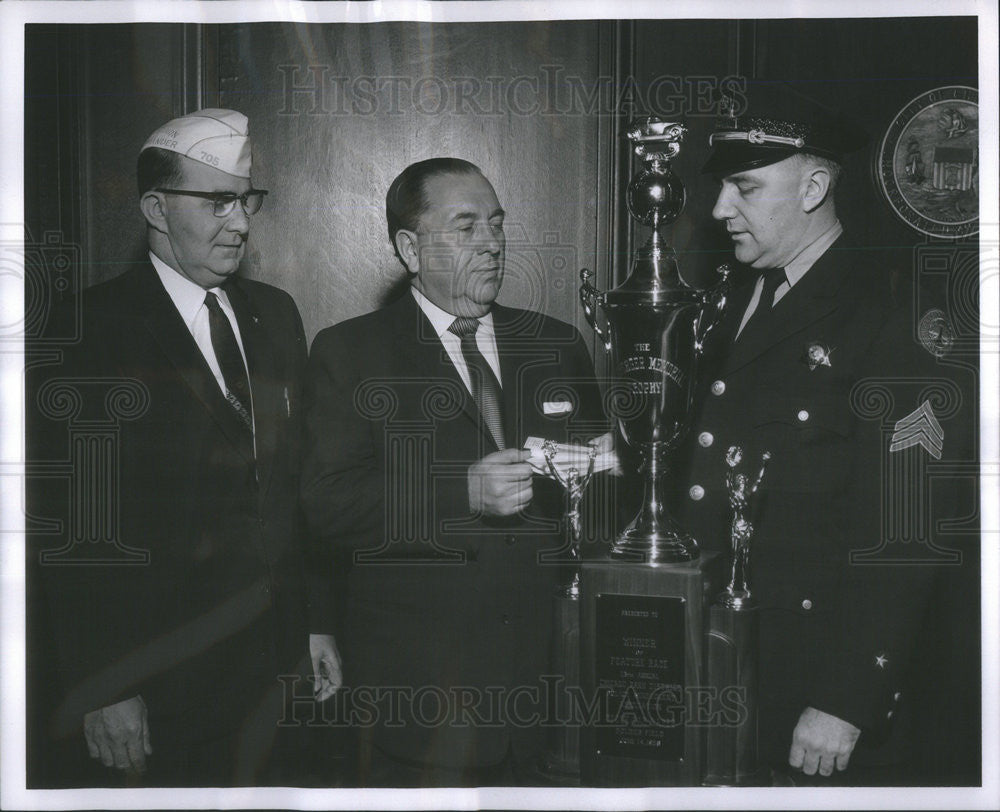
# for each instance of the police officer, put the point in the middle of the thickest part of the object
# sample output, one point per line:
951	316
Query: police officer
819	361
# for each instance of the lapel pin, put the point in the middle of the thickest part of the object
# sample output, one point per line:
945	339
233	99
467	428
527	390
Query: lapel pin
816	355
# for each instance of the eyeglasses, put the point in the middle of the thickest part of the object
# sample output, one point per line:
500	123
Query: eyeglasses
224	203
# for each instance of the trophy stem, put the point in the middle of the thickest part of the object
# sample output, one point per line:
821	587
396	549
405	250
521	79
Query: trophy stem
654	537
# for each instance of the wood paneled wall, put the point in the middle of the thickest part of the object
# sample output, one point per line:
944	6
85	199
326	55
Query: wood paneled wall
336	111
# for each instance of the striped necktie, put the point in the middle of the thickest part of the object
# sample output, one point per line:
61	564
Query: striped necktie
485	386
234	371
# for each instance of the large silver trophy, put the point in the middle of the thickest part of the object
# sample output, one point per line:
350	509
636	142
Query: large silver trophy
655	325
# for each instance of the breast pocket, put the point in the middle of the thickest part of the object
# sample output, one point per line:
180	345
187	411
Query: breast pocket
809	435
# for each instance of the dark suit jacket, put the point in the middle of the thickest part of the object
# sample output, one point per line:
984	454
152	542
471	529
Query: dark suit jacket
203	627
439	602
837	631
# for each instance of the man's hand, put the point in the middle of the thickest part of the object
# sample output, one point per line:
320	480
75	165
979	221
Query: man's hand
500	483
605	444
821	741
119	735
326	665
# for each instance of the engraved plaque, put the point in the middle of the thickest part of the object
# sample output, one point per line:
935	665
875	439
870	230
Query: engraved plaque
640	667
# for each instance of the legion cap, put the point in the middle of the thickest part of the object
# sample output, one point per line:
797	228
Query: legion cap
219	138
778	121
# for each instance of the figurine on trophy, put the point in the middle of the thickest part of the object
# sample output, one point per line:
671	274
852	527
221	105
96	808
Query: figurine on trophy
733	642
741	490
575	485
563	463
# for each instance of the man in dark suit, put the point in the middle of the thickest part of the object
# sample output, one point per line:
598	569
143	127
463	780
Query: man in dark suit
173	664
416	418
821	363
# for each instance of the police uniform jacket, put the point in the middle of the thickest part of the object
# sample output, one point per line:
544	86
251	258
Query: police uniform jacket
845	547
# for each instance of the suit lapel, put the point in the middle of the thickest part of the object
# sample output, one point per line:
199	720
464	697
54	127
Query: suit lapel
425	355
164	323
265	383
812	298
512	366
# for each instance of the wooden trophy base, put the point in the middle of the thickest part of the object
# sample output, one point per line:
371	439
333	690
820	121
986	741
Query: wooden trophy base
642	639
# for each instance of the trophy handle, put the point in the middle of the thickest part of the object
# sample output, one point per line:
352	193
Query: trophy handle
591	297
714	300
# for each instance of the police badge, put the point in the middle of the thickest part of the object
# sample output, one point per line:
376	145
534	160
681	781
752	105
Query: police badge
816	355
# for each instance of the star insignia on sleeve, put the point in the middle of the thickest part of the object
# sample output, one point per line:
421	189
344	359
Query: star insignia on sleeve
815	355
881	661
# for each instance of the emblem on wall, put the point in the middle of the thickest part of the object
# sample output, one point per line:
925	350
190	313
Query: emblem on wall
927	164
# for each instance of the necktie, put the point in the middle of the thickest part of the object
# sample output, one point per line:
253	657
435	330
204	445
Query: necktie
485	386
773	278
227	353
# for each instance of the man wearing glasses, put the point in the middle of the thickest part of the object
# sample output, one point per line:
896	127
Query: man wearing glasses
173	666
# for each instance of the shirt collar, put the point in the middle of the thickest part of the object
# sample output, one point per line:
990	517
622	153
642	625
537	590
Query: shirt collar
440	319
807	257
187	297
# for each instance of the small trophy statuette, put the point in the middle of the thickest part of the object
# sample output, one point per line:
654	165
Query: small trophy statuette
575	485
741	491
733	643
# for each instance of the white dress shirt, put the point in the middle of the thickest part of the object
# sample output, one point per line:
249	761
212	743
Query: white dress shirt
486	338
794	270
189	299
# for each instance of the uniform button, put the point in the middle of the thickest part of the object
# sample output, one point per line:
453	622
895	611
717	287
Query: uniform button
896	696
807	604
803	415
509	540
718	387
696	492
705	439
888	715
505	619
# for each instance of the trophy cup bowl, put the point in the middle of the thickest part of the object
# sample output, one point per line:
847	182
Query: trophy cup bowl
655	325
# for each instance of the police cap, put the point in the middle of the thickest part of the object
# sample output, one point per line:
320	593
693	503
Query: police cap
774	121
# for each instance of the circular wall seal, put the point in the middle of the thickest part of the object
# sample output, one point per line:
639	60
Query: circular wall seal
927	164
